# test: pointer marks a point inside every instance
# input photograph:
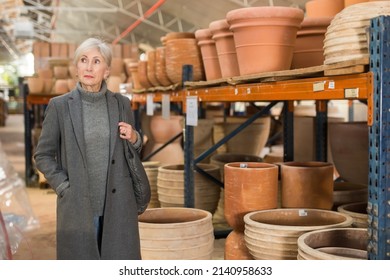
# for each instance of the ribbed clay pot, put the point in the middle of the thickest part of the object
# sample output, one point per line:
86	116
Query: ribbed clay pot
358	211
133	68
273	234
349	146
307	185
143	74
151	169
265	34
226	49
333	244
308	50
323	8
35	85
171	192
246	192
151	68
345	193
209	54
353	2
161	71
235	247
176	234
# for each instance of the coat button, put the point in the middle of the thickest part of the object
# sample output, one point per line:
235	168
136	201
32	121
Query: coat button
113	190
113	161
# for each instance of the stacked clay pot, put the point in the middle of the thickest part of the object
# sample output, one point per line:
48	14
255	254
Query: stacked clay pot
161	72
151	68
323	8
266	35
209	54
143	74
244	193
226	49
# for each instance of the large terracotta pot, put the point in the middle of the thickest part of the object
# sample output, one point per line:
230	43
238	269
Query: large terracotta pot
35	85
235	247
358	211
133	68
143	74
209	54
176	234
162	131
273	234
226	49
245	192
161	72
345	193
151	68
349	146
333	244
353	2
171	192
151	169
323	8
265	34
307	185
308	50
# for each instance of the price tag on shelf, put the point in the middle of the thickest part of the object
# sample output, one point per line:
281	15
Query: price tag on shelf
192	110
351	92
319	86
149	105
166	106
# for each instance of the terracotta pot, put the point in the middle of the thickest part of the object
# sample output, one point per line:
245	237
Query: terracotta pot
61	86
309	44
179	52
133	67
117	66
161	72
273	234
353	2
162	130
226	49
252	139
244	192
45	73
72	71
307	185
358	212
209	54
113	83
177	35
60	72
265	34
143	74
151	68
345	193
171	192
333	244
235	247
176	234
323	8
151	168
349	146
48	85
35	85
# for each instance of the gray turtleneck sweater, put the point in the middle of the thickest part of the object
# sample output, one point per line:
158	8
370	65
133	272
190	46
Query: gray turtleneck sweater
97	138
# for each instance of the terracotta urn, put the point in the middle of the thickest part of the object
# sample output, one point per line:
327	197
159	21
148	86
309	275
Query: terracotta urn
133	68
266	35
143	74
309	44
209	54
35	85
353	2
307	185
151	68
226	49
323	8
244	192
161	71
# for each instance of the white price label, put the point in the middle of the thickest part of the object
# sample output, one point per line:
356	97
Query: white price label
192	110
166	106
149	105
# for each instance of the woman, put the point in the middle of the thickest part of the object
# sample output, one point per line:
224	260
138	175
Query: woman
80	152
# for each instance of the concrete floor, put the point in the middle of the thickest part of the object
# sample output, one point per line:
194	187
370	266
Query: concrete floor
40	244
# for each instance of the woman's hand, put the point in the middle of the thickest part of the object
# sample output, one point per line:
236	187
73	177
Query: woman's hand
126	131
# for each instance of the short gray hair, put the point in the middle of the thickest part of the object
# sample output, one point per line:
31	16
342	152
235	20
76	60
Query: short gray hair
91	43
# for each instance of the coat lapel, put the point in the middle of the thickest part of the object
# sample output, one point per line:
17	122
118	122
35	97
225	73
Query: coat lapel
75	110
113	114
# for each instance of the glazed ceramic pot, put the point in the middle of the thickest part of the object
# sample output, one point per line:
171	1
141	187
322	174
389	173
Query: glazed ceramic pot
226	49
333	244
273	234
323	8
209	54
266	35
309	44
244	192
307	185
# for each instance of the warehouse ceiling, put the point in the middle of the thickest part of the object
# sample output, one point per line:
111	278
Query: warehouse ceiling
24	21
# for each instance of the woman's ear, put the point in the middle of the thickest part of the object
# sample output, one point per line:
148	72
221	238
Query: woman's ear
107	73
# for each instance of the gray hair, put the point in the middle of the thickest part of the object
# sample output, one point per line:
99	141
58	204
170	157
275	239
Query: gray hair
91	43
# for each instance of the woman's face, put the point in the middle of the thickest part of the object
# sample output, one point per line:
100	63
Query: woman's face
92	69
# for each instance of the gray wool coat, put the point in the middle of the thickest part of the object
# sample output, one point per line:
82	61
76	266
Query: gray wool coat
60	156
